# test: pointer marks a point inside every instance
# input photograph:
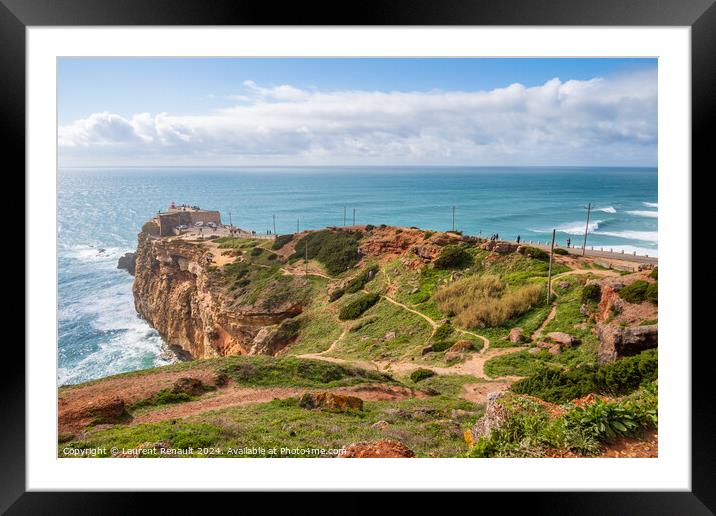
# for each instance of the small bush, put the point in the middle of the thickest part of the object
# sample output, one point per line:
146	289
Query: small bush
355	308
421	374
443	332
281	241
652	293
634	293
453	257
560	251
369	227
591	293
605	421
428	234
360	281
654	273
336	295
256	251
441	345
534	252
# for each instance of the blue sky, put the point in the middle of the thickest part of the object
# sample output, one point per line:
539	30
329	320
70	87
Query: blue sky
159	111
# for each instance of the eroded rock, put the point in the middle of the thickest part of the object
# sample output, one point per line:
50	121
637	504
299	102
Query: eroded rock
330	401
376	450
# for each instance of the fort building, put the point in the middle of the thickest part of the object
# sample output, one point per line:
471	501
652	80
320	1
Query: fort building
177	215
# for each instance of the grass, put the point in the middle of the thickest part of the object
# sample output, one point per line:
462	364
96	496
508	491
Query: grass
356	306
484	301
266	371
369	341
428	426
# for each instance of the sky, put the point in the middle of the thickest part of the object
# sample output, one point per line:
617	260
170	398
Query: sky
419	111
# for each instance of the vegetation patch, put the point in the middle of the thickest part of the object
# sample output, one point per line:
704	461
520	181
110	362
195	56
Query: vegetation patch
484	301
336	250
614	379
534	252
634	292
355	308
560	251
266	371
421	374
591	293
281	241
362	279
453	257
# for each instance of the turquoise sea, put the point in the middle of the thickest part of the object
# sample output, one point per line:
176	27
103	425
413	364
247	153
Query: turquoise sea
100	333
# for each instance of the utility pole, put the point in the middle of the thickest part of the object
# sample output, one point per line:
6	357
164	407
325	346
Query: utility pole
354	216
549	273
453	218
586	229
230	224
274	224
344	216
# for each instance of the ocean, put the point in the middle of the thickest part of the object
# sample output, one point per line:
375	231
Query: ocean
100	333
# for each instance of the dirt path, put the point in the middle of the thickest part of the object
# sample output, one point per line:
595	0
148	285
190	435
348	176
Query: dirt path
234	396
538	332
432	323
302	272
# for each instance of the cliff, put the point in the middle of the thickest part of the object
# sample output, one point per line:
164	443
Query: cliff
194	307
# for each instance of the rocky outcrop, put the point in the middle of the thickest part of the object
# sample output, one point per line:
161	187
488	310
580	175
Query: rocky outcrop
376	450
330	401
105	410
499	246
616	342
494	417
127	262
517	336
176	293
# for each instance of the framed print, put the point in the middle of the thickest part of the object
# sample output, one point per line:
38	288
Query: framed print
432	234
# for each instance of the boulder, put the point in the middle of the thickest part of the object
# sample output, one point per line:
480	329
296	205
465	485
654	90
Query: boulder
426	350
616	342
376	449
72	418
380	425
389	336
190	386
452	355
564	340
461	345
494	417
128	262
330	401
517	336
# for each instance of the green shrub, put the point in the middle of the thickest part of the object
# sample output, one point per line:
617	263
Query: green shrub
534	252
635	292
654	273
591	293
652	293
428	234
441	345
360	281
355	308
281	241
256	251
337	250
369	227
605	421
453	257
443	332
336	294
617	378
560	251
421	374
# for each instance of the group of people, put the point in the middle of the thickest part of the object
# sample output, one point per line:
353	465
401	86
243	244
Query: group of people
494	237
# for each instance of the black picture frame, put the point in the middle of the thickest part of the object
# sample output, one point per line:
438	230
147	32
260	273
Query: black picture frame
700	15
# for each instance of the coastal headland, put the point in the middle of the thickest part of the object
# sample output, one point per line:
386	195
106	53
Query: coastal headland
377	341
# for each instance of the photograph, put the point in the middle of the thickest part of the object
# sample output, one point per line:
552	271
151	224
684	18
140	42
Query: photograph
357	257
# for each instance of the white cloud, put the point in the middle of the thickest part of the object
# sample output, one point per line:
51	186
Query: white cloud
600	121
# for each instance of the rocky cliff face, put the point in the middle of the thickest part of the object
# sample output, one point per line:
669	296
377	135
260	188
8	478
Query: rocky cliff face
175	291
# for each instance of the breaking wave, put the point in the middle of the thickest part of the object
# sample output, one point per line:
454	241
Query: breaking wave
651	204
644	213
608	209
